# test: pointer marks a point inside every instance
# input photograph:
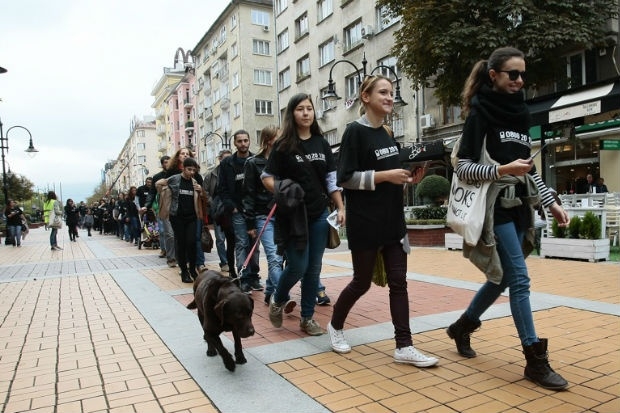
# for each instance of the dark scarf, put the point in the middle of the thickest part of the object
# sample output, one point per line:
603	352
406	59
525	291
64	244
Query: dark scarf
503	108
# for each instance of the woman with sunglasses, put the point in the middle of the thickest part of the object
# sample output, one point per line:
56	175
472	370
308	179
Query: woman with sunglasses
496	110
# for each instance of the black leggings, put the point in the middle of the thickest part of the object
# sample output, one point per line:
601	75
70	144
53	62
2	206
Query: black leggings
185	242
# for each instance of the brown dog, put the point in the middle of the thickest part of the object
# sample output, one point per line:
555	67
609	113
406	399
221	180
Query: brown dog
222	306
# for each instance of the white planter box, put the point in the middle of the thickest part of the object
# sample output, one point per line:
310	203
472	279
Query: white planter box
585	249
453	241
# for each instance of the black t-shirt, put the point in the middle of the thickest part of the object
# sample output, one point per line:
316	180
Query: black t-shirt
186	200
312	180
374	218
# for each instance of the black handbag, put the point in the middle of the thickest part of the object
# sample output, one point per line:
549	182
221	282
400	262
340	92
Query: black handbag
206	239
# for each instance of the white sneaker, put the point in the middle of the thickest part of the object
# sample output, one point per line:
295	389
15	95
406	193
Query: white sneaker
337	340
409	355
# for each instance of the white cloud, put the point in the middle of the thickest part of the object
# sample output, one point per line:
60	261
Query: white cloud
79	71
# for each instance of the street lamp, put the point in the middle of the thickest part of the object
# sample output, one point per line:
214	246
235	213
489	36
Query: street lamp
331	96
224	139
4	144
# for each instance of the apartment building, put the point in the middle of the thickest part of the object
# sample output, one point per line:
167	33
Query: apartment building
343	40
174	104
235	86
137	159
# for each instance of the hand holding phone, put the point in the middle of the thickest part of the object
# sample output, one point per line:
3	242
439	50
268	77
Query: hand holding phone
532	156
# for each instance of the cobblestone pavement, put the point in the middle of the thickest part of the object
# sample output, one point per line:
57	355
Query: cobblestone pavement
102	327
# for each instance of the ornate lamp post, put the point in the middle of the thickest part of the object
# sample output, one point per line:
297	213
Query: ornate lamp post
4	145
331	96
223	139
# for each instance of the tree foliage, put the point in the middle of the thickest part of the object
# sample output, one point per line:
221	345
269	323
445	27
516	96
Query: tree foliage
19	188
440	40
99	192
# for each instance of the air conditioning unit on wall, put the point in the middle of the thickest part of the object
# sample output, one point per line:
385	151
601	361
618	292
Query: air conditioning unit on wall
265	28
367	32
426	121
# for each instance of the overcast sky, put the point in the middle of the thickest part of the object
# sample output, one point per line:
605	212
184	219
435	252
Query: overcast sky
78	72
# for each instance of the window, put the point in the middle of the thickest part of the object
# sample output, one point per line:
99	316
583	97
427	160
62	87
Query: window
260	17
352	86
284	78
451	114
390	62
222	34
383	19
235	80
262	77
283	41
217	122
234	50
233	21
236	110
260	47
216	95
581	69
141	160
327	52
352	36
325	9
301	26
280	5
263	107
331	137
398	126
303	67
140	134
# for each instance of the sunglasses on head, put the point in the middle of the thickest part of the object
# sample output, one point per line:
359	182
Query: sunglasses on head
514	74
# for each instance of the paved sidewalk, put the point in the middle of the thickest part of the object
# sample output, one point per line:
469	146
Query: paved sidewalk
102	327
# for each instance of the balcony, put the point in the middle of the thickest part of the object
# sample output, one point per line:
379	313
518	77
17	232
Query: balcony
187	103
208	113
163	146
189	125
161	113
161	130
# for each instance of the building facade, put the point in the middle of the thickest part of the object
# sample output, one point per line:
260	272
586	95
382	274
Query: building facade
235	85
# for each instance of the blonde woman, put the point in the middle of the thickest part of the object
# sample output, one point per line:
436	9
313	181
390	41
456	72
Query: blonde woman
371	175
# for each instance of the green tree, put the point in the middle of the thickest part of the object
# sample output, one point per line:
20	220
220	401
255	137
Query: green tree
99	192
441	40
19	188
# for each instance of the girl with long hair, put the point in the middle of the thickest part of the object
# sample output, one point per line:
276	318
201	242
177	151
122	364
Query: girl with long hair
372	177
302	157
497	114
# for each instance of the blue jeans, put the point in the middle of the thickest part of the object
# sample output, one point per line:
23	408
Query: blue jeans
243	245
15	232
274	261
200	255
515	277
160	226
220	244
54	237
304	265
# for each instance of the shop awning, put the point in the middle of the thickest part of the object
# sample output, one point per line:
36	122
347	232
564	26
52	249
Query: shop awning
575	103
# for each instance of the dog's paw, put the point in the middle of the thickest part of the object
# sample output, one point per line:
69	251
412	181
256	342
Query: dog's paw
240	359
211	352
230	364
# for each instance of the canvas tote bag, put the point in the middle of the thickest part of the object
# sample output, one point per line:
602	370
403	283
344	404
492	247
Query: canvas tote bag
467	203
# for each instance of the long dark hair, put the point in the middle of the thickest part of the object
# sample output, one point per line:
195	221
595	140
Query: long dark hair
51	195
289	140
479	74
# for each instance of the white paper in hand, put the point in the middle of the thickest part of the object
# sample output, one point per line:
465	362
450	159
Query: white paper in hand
332	219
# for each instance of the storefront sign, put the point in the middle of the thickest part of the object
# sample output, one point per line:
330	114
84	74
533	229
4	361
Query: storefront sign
577	111
610	145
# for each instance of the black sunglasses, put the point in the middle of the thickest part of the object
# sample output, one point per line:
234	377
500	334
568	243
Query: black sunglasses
514	74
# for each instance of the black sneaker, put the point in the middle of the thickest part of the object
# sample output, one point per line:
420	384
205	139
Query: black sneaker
267	298
245	287
322	298
255	285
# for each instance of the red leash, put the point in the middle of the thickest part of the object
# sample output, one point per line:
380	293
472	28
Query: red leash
247	259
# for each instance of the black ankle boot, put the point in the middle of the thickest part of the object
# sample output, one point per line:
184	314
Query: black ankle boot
460	332
538	369
185	277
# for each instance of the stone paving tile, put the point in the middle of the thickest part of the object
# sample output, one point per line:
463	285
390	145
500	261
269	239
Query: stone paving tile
72	341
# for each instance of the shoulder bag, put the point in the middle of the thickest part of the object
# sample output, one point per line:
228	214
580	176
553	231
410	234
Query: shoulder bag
467	203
